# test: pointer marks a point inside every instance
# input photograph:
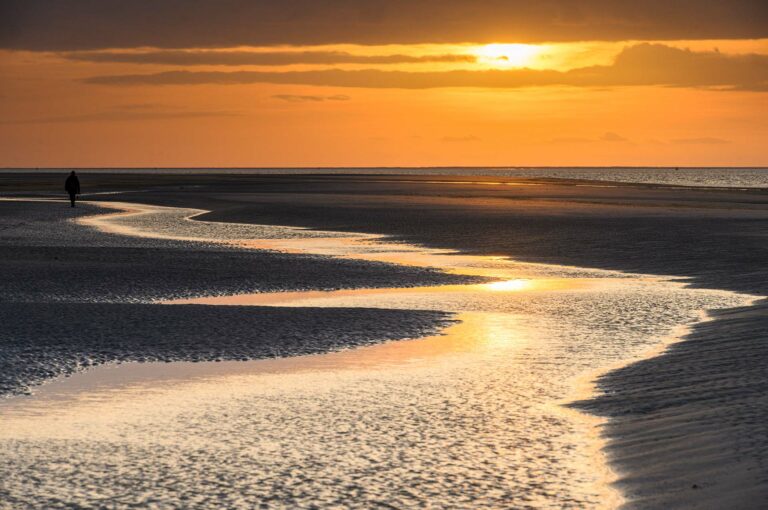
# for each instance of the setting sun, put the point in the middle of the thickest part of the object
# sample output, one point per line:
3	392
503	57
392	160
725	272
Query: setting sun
507	55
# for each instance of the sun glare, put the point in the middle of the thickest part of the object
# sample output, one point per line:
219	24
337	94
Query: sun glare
507	55
509	285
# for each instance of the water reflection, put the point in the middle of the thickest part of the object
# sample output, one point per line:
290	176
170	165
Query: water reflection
510	285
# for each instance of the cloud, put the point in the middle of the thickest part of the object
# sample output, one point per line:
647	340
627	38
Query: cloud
700	141
120	115
612	137
606	137
460	139
260	58
367	78
293	98
642	64
570	140
87	24
141	106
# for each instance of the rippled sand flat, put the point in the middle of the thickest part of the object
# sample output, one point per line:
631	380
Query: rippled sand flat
469	418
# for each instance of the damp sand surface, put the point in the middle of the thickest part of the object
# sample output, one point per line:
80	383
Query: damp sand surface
474	416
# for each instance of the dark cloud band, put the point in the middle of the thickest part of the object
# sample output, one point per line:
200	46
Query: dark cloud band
258	58
296	98
58	25
643	64
121	116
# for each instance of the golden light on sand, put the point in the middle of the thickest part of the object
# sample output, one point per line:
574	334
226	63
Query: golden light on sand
509	285
507	55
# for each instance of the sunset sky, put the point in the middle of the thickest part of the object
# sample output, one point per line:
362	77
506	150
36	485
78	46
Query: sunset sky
383	83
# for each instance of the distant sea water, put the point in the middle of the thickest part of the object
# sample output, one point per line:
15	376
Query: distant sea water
741	177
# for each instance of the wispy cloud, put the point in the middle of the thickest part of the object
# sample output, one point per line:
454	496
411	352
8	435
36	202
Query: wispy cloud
294	98
571	140
460	139
639	65
700	141
613	137
256	58
141	106
120	115
609	137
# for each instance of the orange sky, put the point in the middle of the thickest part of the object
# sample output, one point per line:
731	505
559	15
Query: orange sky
691	102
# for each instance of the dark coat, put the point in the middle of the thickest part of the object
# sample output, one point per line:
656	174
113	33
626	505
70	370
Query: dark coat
72	185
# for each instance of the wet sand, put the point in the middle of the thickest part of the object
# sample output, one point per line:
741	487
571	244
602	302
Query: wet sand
73	298
716	237
688	428
478	409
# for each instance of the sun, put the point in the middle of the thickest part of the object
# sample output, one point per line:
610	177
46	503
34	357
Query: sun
507	55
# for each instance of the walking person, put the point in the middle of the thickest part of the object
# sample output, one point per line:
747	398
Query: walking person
72	186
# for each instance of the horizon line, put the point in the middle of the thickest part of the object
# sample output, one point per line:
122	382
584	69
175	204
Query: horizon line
404	167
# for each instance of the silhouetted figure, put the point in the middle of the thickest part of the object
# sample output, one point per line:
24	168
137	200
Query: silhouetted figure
72	185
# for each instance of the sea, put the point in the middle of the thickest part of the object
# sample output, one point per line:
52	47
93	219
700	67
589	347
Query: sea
719	177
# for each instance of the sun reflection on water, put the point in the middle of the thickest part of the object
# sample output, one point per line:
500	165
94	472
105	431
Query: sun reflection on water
510	285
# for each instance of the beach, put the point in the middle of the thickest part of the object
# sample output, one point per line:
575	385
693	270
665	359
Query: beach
652	292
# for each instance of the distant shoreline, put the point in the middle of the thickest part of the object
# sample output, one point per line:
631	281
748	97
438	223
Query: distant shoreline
451	167
706	177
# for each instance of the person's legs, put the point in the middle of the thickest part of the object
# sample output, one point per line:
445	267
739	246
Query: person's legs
72	199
